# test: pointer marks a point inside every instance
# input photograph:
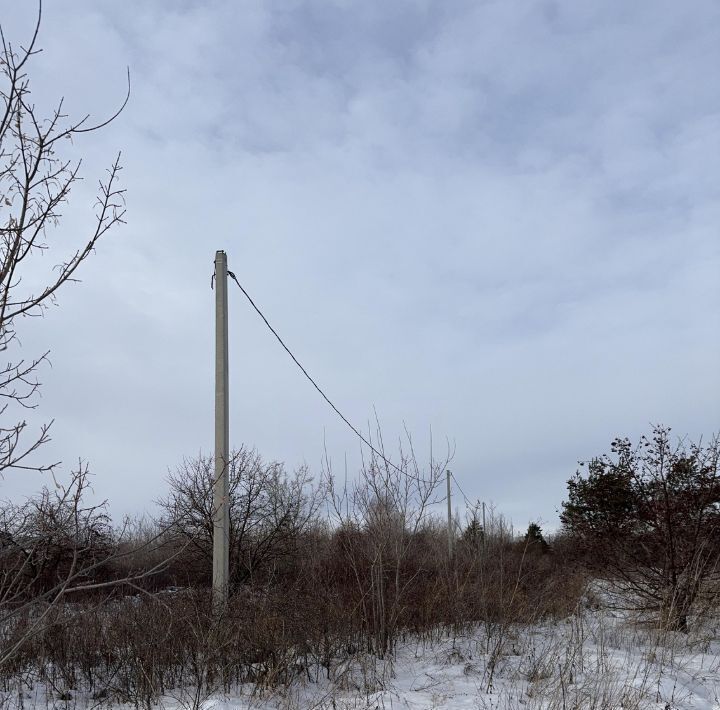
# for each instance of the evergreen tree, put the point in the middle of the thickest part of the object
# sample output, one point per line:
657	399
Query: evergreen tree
473	534
649	515
534	539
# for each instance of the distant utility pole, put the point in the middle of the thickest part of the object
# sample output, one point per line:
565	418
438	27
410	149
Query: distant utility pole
221	512
450	531
484	537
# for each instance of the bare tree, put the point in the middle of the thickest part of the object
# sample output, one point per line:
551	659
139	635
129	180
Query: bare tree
55	543
269	508
36	178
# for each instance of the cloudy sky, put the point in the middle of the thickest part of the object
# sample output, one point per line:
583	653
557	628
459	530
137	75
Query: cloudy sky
492	221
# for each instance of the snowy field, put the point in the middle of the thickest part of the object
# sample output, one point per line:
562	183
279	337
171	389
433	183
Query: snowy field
593	660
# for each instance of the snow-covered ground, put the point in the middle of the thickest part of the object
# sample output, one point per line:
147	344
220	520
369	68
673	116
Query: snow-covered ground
594	660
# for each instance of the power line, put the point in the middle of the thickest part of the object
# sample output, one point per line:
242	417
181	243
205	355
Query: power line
311	380
462	492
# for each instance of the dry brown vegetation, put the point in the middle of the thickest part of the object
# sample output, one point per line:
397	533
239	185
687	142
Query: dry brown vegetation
349	578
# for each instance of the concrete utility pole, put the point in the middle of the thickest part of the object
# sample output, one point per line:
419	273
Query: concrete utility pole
450	531
221	511
484	529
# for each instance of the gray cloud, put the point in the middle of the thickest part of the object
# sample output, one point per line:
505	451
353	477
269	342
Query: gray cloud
495	219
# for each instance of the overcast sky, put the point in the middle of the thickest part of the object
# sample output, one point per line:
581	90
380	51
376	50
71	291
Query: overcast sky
493	220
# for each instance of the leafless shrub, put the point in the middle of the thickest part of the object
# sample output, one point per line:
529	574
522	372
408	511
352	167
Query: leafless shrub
56	546
381	516
51	537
